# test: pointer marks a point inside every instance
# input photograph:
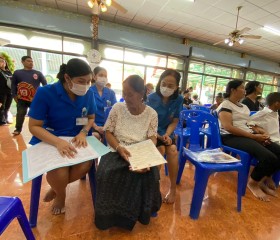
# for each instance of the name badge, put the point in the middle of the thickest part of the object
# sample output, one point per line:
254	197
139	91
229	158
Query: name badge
82	121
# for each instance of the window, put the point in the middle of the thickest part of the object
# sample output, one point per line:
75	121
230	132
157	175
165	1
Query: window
264	78
236	73
250	76
175	63
46	41
111	52
195	80
153	74
47	63
16	54
217	70
207	92
133	69
78	46
196	67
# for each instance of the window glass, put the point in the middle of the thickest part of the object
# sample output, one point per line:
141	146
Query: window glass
268	89
264	78
48	64
250	76
111	52
155	60
115	76
207	92
196	67
194	80
175	63
46	41
152	75
16	54
132	69
14	35
134	56
221	85
78	46
217	70
67	57
236	73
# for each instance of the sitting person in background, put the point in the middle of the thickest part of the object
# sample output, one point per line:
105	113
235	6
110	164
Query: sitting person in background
268	118
235	133
124	197
196	100
104	97
168	104
65	108
253	89
187	100
149	88
261	101
219	99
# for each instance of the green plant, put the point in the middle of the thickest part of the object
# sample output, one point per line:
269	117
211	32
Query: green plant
9	61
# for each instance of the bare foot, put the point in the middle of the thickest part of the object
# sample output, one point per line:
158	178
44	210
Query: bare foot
270	183
257	192
58	205
170	197
50	195
267	190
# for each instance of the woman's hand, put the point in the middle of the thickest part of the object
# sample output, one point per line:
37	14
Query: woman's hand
66	148
99	129
80	140
124	153
258	129
140	170
166	139
262	138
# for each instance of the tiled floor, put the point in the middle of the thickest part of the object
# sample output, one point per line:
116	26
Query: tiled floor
218	219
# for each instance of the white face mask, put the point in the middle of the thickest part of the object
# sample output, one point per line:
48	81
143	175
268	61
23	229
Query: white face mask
166	92
101	81
79	89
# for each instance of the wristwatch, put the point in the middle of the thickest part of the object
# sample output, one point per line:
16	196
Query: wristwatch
84	131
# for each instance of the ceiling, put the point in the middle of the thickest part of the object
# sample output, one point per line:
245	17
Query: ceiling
206	21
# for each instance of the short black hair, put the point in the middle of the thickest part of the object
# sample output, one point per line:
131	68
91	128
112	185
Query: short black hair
251	87
97	69
233	84
25	57
75	67
272	98
176	75
186	91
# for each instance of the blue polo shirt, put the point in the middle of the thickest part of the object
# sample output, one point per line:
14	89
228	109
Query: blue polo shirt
166	111
101	103
52	105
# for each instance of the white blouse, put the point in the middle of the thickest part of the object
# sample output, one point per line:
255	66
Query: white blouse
130	129
240	115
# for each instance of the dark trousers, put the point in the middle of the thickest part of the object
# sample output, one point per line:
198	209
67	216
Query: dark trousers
268	157
6	100
22	107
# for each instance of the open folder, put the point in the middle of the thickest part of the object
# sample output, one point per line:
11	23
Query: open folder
44	157
144	154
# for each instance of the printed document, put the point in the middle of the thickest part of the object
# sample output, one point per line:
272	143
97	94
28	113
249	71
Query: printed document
44	157
144	154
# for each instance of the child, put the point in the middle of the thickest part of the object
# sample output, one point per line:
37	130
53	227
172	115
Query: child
196	100
268	118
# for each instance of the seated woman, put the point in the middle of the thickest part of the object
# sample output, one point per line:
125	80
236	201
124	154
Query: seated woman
104	97
253	89
65	108
124	197
235	132
168	103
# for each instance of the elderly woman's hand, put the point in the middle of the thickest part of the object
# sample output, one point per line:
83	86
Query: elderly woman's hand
124	152
166	139
66	148
80	140
261	138
140	170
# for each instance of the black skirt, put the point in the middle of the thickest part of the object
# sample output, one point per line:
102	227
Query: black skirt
122	196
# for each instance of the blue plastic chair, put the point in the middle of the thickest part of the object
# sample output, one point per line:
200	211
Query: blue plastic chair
253	112
10	208
203	171
36	190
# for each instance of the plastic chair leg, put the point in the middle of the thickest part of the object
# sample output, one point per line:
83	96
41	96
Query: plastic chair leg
199	191
92	181
242	180
34	200
22	219
166	169
182	164
276	178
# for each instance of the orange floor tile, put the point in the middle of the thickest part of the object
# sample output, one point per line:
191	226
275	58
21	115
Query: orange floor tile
218	219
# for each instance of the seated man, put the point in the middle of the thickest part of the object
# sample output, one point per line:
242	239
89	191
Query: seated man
268	118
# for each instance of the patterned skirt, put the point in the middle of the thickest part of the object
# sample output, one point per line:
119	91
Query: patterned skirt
124	197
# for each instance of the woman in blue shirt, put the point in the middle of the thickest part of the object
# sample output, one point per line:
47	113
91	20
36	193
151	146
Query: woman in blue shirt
168	103
104	97
65	108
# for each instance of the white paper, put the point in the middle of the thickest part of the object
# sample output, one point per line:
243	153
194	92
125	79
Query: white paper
144	155
211	156
44	157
